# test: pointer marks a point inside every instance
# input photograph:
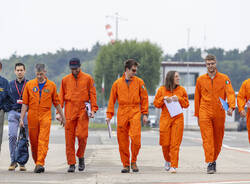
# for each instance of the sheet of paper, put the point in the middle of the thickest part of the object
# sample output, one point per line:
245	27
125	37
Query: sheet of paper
88	108
224	104
109	129
174	108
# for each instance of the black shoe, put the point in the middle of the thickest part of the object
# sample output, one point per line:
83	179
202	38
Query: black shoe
210	168
81	166
214	166
72	168
39	169
125	169
134	167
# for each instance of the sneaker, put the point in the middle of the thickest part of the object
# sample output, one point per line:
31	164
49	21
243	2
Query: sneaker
134	167
125	169
167	166
172	170
22	168
210	168
12	166
81	166
72	168
39	169
214	166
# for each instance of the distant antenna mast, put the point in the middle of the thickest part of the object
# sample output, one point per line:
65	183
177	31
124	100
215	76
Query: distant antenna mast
117	19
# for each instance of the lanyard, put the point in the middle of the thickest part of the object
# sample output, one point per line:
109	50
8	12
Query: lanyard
20	94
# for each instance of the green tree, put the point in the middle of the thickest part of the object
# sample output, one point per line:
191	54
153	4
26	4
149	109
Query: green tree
192	54
218	52
109	63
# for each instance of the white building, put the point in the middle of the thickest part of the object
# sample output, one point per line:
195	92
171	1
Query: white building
189	72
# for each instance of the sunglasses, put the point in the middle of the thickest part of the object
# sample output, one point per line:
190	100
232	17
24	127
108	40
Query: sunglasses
134	70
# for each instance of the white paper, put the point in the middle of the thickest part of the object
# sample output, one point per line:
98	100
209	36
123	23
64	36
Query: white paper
109	129
88	108
174	108
248	103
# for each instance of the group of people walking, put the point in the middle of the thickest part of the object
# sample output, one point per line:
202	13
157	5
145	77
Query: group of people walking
29	106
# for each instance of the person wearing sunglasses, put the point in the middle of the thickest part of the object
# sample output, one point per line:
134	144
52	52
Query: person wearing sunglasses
132	96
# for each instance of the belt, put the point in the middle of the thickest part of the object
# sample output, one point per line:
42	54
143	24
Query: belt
17	110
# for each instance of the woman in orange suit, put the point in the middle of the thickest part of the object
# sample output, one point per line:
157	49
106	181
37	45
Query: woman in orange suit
171	128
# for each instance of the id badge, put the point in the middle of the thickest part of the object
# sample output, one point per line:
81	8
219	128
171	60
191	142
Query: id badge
19	101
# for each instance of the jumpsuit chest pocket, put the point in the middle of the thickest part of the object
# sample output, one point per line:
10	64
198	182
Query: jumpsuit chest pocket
46	98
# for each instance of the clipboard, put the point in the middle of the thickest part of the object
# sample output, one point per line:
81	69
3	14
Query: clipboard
109	130
224	104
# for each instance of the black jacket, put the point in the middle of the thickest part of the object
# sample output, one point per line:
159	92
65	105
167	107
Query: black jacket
6	100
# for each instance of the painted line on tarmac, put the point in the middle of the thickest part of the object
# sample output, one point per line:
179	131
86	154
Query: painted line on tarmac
223	145
236	149
222	182
214	182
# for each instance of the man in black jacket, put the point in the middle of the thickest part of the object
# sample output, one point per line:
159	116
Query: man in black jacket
16	90
5	102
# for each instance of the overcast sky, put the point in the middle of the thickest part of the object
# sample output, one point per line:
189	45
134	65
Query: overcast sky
41	26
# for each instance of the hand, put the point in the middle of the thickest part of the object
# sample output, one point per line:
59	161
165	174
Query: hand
92	114
63	121
243	113
175	98
108	121
198	121
145	119
58	117
248	103
168	99
230	112
21	124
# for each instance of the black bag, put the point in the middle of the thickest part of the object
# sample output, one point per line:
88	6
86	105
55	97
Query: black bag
22	148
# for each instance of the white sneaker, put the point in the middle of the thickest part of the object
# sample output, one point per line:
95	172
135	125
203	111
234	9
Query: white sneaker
167	166
172	170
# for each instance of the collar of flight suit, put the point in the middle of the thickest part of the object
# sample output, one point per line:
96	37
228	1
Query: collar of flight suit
131	79
80	74
46	82
216	75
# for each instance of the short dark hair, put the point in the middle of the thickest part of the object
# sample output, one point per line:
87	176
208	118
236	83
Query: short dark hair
20	64
40	67
1	65
129	63
169	81
210	57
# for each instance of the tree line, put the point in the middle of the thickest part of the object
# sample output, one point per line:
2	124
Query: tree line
105	62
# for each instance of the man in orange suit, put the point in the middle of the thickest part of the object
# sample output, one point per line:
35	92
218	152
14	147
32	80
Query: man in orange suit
76	90
133	102
243	99
38	96
209	112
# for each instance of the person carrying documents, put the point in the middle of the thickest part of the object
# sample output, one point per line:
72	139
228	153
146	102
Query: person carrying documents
210	87
132	96
243	99
171	98
77	90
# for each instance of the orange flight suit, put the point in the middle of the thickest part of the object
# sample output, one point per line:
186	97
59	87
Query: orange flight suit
171	128
242	98
133	101
209	110
39	116
74	92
